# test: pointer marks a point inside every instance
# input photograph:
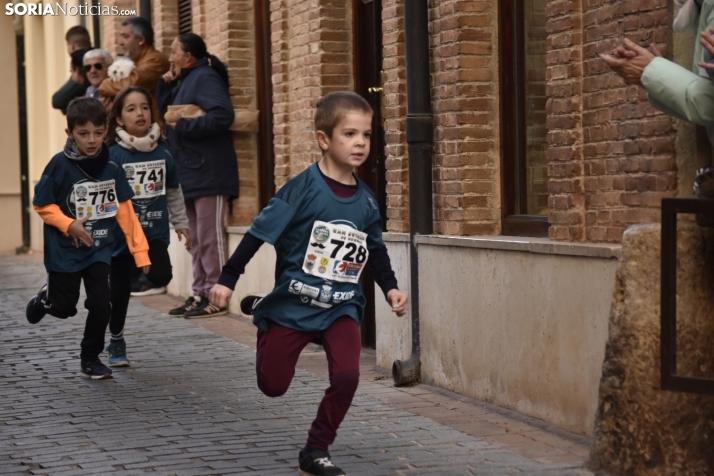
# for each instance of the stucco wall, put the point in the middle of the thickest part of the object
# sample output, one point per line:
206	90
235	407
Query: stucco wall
525	330
258	277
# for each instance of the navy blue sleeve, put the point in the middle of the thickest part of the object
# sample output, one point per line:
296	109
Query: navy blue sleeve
381	267
171	174
235	266
45	189
212	97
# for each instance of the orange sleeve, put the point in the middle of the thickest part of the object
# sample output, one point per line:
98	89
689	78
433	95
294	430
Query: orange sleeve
135	238
53	216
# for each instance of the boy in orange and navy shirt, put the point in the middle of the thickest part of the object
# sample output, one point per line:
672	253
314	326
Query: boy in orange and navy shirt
80	196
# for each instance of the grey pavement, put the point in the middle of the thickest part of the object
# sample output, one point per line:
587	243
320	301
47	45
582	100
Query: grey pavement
189	405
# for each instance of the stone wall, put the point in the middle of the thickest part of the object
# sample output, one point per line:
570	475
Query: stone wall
639	428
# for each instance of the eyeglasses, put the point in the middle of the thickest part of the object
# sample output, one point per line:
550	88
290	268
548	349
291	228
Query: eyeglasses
97	66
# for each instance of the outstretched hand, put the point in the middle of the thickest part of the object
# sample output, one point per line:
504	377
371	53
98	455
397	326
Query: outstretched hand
220	295
398	301
79	234
631	60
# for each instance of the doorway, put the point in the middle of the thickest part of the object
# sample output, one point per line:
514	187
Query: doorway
367	67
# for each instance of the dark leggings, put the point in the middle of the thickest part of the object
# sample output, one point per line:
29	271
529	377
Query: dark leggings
124	268
277	355
63	295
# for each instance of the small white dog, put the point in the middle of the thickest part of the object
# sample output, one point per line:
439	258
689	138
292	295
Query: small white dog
121	68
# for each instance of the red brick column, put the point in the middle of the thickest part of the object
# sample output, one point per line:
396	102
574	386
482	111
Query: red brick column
395	113
311	56
466	136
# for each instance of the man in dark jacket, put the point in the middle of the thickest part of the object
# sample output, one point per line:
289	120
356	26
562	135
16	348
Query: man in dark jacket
205	160
77	38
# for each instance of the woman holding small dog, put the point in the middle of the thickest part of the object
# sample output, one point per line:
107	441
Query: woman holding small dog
205	160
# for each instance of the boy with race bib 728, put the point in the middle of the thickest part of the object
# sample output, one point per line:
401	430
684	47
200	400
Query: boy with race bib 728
326	227
80	196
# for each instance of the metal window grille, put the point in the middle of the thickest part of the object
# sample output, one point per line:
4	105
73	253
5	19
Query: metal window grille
184	15
668	313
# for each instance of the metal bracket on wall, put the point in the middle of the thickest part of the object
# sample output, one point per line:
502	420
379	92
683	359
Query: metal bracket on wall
668	312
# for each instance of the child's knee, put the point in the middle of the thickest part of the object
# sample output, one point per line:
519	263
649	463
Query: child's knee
161	278
345	382
272	387
98	305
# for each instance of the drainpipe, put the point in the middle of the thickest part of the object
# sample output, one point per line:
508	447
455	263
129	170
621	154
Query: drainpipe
24	160
420	131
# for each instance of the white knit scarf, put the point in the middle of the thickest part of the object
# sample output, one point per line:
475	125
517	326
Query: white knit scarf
141	144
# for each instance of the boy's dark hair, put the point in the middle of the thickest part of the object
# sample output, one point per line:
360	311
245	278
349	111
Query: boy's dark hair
141	27
78	35
83	110
331	109
194	44
118	105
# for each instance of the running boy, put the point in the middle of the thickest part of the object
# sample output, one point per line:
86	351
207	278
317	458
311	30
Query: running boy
135	144
325	226
80	196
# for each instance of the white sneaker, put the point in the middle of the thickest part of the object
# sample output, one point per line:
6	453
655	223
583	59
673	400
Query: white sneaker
149	291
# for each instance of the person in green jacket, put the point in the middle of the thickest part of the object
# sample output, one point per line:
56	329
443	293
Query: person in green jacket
674	90
77	38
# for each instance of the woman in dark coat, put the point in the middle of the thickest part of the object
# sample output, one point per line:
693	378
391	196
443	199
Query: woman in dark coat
205	159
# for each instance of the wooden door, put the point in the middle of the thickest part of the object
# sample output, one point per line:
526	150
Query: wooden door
367	34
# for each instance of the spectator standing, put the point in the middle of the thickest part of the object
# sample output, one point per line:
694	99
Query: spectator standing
205	160
137	38
685	94
96	68
77	38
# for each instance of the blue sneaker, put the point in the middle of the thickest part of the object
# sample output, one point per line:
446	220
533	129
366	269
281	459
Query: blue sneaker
117	354
36	310
95	370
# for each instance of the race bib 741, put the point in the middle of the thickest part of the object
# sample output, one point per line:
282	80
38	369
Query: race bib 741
147	179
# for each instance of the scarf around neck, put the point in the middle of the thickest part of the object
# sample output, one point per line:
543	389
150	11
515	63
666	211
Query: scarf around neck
140	144
92	166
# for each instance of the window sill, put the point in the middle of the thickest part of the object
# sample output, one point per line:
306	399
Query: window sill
516	243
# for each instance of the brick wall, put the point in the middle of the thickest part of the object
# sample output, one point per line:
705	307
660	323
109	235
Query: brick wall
464	79
311	57
395	113
612	155
164	16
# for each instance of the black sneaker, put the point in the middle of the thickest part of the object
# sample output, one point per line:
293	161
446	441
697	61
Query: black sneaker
95	370
190	303
205	309
248	303
318	463
36	309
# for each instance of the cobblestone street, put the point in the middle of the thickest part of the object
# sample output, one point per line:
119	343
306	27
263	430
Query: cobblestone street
189	405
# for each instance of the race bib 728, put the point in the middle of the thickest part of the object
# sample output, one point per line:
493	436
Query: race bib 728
336	252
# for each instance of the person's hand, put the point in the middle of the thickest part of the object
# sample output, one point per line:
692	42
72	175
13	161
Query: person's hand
79	234
398	301
183	232
220	295
630	67
169	76
77	76
707	41
146	269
